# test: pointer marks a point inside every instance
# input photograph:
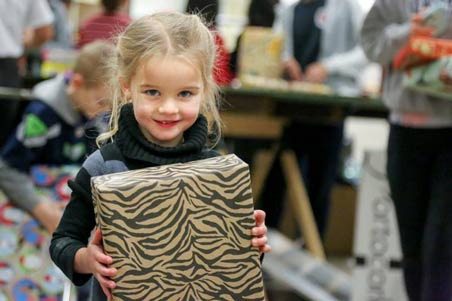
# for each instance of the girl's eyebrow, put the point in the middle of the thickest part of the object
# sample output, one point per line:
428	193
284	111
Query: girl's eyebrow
148	86
142	86
192	88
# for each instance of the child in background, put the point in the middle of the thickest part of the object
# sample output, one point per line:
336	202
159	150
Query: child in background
419	164
52	130
164	107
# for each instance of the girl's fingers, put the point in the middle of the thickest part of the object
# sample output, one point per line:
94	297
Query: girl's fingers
103	258
265	249
259	241
106	282
259	216
104	271
108	272
105	289
259	231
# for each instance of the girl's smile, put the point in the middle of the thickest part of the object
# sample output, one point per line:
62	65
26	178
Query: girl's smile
166	123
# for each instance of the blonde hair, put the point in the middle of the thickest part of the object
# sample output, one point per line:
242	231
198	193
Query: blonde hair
165	33
93	61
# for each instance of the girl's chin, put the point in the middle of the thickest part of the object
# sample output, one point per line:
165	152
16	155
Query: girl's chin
167	141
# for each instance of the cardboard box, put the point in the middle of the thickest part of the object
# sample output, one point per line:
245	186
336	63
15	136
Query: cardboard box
181	231
341	221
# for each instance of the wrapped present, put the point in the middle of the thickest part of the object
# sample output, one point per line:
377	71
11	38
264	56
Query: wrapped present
181	231
422	50
260	53
429	79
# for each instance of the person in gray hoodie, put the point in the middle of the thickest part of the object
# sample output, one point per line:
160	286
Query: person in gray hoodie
419	165
53	130
321	46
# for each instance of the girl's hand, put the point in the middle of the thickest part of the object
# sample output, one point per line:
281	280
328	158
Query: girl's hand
260	232
99	262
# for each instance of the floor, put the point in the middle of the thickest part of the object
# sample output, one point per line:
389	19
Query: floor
277	291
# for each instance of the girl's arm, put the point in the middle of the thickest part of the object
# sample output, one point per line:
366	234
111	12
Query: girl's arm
74	229
385	30
69	247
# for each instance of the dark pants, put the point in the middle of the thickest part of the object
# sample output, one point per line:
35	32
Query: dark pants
420	176
317	148
9	77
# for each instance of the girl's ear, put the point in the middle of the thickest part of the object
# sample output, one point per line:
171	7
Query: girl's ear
125	88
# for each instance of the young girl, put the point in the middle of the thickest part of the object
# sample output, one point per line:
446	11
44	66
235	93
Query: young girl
164	106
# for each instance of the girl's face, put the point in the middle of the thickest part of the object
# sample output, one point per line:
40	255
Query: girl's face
166	93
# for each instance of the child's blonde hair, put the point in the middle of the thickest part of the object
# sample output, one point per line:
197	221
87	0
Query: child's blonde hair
93	62
165	33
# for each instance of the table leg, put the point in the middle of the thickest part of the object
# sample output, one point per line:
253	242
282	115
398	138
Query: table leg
300	204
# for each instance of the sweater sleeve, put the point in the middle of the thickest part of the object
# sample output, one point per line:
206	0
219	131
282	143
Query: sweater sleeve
283	25
18	187
351	62
385	30
75	228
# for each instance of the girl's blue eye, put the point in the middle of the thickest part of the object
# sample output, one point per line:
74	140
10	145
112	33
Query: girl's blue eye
185	94
152	92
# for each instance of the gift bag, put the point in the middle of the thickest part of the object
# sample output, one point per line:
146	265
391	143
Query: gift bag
260	53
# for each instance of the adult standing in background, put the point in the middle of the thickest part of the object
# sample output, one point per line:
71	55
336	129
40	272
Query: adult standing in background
105	25
321	46
419	165
17	18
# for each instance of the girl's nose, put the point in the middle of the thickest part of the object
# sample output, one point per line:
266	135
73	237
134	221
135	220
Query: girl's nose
168	106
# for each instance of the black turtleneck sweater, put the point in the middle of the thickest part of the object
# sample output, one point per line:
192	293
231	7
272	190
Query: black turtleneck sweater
129	150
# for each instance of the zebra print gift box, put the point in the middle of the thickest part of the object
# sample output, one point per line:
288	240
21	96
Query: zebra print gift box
181	231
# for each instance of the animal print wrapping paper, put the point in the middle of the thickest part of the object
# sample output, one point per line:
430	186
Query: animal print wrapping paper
181	231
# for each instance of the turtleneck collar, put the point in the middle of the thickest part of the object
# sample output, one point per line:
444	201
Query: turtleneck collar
135	146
